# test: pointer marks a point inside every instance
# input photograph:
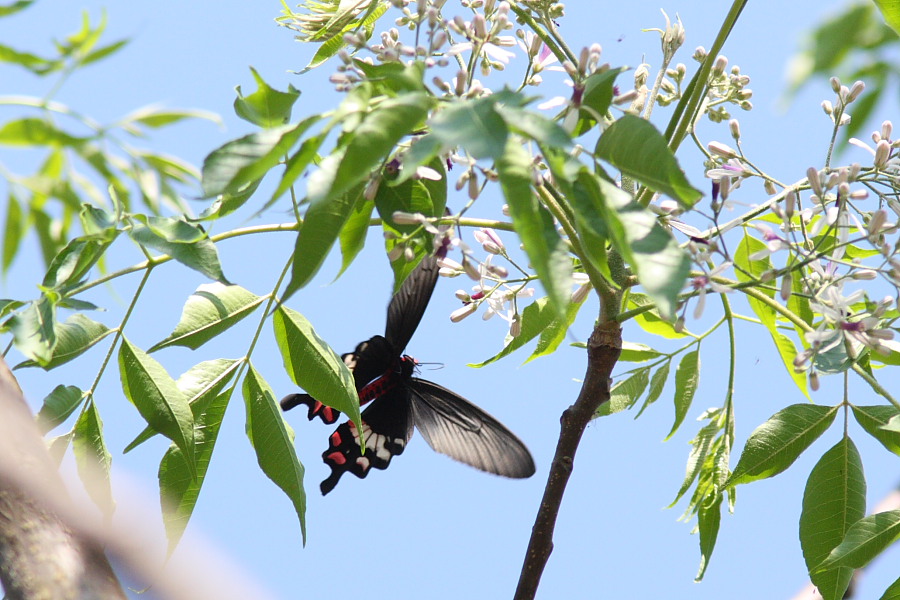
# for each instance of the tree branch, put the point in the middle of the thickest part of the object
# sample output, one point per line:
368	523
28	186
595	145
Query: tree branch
604	347
40	557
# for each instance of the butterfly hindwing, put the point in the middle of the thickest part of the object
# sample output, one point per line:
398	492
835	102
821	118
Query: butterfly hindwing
454	426
387	427
316	409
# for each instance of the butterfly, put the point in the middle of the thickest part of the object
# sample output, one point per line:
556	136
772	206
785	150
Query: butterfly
401	403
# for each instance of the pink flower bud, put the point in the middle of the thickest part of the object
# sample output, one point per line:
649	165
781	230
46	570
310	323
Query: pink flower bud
720	149
882	153
815	183
404	218
855	90
786	285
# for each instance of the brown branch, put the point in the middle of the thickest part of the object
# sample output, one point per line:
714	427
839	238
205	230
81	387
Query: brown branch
604	347
51	546
40	556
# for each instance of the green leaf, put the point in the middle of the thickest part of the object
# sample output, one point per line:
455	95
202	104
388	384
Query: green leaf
173	230
554	334
890	10
235	164
93	459
393	78
210	310
178	489
744	265
660	264
266	107
36	64
58	406
103	51
834	499
31	131
34	330
865	540
14	7
892	592
881	423
776	444
708	519
272	439
687	378
368	145
313	365
423	196
156	116
474	125
701	447
535	126
650	321
201	385
14	229
156	396
635	147
657	384
353	233
599	90
545	248
321	227
73	338
295	166
200	256
632	352
536	317
73	262
625	393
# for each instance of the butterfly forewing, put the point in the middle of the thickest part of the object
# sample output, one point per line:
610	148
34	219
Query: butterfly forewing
454	426
409	303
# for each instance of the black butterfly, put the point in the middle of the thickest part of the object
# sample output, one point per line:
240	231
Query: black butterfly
384	375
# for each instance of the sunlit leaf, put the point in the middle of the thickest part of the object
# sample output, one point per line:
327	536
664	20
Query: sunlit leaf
92	458
272	439
776	444
834	499
210	310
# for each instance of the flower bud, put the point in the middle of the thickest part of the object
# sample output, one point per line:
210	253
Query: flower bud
404	218
835	84
786	287
815	183
515	327
464	311
720	149
882	153
735	128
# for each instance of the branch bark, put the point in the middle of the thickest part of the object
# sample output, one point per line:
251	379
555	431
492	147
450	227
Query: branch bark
603	349
40	557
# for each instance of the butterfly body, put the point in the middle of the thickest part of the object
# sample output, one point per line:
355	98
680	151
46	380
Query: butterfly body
398	403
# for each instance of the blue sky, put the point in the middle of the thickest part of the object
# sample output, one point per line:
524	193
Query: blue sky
429	527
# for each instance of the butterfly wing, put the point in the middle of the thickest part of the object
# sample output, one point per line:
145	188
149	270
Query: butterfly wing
454	426
316	408
408	304
368	362
387	427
